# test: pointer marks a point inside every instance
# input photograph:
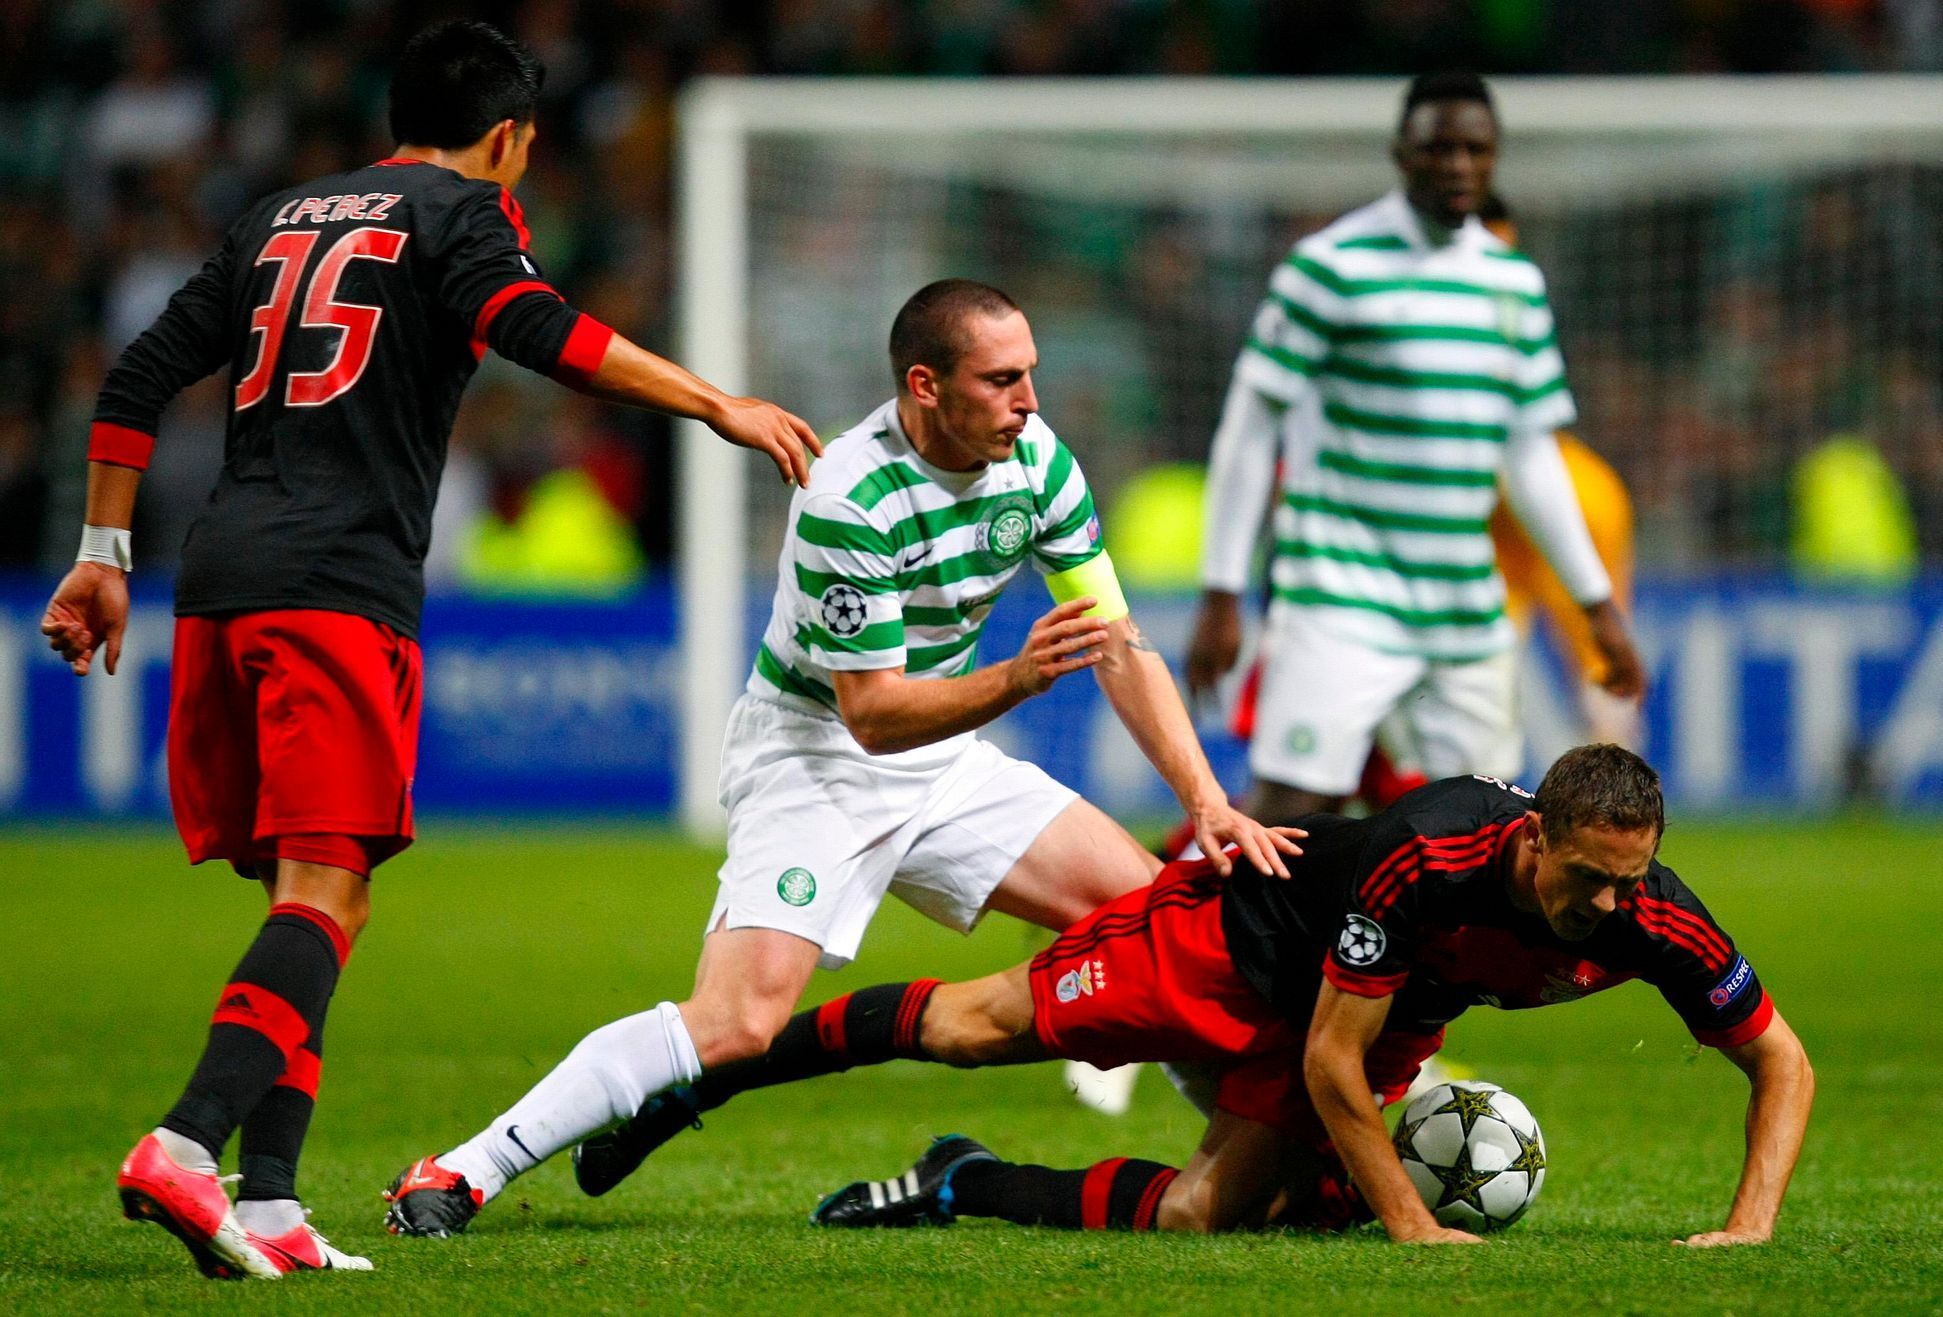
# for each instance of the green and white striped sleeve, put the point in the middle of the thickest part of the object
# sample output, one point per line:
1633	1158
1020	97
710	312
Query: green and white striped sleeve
1291	333
846	575
1543	400
1068	528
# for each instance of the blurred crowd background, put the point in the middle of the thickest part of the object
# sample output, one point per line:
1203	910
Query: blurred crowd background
133	131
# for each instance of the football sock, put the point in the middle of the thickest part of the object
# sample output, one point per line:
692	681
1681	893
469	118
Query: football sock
269	1217
273	1002
603	1081
273	1132
866	1027
1121	1194
186	1152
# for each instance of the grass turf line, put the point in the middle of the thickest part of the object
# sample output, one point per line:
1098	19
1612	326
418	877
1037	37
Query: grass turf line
491	953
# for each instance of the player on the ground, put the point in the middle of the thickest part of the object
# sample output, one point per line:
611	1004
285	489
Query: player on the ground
1314	993
351	311
1401	366
850	768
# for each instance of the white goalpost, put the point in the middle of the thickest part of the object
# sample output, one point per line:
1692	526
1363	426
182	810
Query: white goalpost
1142	217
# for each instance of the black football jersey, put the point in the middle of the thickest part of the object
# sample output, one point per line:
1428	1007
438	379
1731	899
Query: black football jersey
351	311
1413	902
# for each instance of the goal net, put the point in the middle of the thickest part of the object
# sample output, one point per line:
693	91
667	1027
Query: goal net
1741	269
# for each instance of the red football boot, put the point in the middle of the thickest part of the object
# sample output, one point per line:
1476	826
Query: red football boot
194	1207
302	1248
427	1199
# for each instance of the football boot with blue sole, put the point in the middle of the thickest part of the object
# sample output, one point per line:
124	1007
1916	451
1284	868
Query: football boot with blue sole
922	1196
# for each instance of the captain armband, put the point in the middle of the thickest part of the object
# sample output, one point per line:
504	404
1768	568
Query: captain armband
1093	577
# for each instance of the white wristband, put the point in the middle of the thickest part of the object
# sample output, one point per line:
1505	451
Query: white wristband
110	546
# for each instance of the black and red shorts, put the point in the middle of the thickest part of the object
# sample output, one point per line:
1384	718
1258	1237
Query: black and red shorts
1147	977
293	734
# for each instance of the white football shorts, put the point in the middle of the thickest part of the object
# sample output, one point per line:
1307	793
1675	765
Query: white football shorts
819	830
1323	695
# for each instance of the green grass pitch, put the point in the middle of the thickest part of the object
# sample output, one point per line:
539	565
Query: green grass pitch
491	953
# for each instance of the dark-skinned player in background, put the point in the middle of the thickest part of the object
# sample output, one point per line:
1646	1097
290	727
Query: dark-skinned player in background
351	311
1317	997
1401	374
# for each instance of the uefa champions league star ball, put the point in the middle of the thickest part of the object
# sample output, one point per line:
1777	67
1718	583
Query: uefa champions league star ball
1475	1154
843	610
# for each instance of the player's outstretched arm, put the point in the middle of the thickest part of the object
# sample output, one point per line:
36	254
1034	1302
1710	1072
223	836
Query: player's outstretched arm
1783	1085
1137	683
1241	482
1340	1034
631	374
1539	489
887	711
89	609
1625	674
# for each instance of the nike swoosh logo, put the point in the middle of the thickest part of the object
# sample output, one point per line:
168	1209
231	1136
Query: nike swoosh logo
512	1132
922	552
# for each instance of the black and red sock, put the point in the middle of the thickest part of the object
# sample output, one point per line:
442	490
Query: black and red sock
273	1005
1123	1193
866	1027
273	1133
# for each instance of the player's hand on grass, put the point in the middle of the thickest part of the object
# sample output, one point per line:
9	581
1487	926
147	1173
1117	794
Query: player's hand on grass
1625	674
1219	825
1436	1234
89	610
767	428
1216	643
1062	641
1721	1239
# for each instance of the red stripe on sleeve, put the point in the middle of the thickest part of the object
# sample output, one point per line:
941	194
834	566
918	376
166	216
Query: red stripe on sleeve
585	348
339	942
1745	1032
1096	1191
303	1072
516	217
1395	857
258	1008
499	300
119	445
1361	985
1702	931
829	1025
1683	930
1384	877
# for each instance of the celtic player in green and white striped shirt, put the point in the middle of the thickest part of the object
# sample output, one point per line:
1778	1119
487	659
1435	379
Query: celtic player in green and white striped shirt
893	562
850	769
1403	367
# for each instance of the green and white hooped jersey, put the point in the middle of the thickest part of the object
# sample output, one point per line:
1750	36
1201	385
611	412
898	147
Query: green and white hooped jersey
889	561
1407	364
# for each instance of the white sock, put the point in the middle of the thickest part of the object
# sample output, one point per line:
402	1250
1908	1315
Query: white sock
603	1082
186	1152
270	1217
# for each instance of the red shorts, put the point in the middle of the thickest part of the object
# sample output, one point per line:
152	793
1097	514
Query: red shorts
293	734
1147	977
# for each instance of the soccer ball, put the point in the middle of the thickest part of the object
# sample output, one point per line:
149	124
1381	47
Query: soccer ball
1475	1154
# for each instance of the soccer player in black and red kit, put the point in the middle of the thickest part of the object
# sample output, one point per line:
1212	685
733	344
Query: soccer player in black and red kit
351	311
1312	994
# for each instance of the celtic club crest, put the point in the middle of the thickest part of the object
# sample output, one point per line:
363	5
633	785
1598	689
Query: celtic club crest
1005	532
796	887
